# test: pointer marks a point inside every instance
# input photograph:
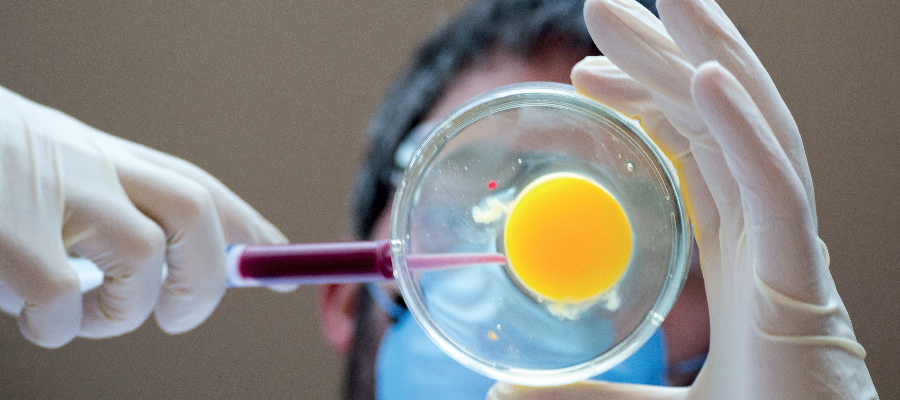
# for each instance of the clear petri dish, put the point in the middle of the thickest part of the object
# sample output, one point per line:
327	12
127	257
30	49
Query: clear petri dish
457	195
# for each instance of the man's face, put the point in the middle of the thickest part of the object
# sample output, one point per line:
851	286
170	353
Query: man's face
337	302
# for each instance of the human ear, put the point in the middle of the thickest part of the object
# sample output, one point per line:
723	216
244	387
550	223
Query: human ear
337	314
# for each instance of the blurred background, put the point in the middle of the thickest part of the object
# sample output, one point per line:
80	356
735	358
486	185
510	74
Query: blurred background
273	98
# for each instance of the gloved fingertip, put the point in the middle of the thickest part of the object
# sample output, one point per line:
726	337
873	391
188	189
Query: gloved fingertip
717	93
708	70
263	231
708	85
177	314
283	288
176	325
10	303
574	391
600	18
585	73
506	391
711	74
53	336
51	316
594	63
596	15
255	230
276	237
598	12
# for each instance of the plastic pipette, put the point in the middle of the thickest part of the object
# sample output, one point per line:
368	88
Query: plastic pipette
313	263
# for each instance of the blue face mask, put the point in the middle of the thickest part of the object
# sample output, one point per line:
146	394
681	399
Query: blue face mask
411	366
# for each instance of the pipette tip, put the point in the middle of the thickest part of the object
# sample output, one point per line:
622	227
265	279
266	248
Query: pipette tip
452	260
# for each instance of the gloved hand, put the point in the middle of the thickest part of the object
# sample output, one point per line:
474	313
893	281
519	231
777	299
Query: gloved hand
778	326
70	189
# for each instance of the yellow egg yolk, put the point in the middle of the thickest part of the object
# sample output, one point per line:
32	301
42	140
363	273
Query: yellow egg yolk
567	238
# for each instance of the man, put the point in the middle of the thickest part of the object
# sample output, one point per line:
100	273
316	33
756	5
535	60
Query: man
777	327
489	44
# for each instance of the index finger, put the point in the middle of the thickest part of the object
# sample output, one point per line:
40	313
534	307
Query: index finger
50	315
195	244
240	222
704	33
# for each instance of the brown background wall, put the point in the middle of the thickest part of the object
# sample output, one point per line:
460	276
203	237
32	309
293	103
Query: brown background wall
273	97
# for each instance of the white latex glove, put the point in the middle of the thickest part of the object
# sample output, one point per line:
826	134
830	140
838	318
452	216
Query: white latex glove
70	189
778	327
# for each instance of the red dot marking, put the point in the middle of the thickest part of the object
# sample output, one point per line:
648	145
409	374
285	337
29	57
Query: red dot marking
492	184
